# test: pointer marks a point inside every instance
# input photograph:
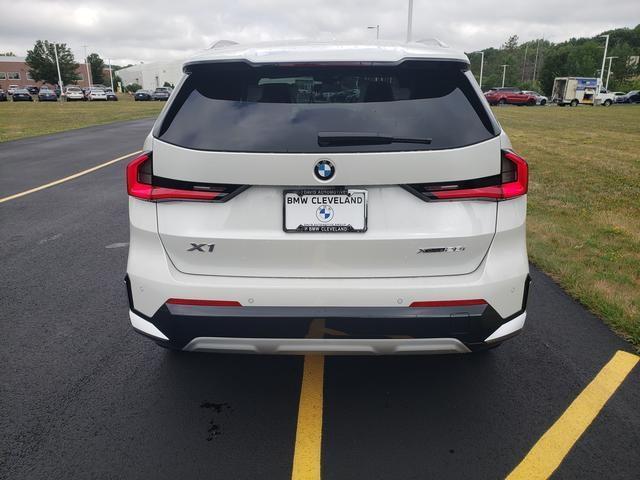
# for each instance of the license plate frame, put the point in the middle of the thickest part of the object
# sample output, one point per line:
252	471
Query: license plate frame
326	227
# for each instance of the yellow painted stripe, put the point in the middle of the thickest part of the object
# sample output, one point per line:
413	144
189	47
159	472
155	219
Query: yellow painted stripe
547	454
307	453
66	179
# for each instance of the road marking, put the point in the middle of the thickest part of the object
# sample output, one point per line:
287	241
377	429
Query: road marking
66	179
306	456
50	239
308	445
118	245
548	452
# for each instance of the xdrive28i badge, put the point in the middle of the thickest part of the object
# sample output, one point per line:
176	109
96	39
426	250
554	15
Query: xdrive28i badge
324	169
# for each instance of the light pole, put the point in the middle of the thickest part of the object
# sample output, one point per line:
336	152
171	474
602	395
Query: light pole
86	64
409	21
609	73
377	27
524	62
604	58
504	72
55	51
481	67
481	52
111	76
535	63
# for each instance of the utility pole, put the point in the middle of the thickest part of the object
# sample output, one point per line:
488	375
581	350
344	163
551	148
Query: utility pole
377	27
481	66
86	63
504	72
481	52
604	59
55	51
609	73
410	21
524	62
111	76
535	63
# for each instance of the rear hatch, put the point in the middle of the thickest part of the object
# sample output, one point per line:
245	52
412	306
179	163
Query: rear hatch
262	135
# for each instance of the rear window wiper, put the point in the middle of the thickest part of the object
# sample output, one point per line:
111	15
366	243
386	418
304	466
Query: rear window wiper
345	139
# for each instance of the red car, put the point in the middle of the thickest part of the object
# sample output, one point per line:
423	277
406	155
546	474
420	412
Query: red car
509	95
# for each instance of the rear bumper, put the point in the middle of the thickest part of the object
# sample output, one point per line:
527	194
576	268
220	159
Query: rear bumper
328	330
366	315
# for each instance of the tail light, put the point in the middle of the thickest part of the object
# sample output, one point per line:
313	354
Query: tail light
511	182
142	184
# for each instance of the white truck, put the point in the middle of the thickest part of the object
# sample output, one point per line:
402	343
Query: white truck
580	90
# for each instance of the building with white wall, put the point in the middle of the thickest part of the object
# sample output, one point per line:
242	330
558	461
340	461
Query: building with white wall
152	75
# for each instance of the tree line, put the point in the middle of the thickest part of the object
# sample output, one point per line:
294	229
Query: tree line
533	65
41	60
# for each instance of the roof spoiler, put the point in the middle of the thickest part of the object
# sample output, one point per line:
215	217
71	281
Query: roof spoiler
433	42
222	44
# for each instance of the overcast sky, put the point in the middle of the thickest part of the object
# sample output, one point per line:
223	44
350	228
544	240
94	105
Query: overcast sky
160	29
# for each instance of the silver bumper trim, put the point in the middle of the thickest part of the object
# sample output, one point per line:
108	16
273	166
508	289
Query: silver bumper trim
145	326
327	346
509	329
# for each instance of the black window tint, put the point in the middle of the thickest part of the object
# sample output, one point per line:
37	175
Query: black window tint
282	108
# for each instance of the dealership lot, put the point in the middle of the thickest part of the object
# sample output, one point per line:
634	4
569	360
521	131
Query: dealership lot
85	397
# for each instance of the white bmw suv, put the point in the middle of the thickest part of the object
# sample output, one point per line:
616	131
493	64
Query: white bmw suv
335	198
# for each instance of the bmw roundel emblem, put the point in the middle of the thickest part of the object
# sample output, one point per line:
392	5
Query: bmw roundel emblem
324	170
324	213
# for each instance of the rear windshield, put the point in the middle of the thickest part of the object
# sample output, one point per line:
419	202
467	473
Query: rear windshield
237	107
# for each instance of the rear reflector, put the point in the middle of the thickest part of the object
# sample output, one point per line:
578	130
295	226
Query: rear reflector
449	303
204	303
511	182
142	184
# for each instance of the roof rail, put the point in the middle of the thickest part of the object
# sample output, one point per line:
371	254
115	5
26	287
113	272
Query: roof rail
222	44
433	42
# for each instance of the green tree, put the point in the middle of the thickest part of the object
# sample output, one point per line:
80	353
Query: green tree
42	63
511	43
117	81
574	57
133	87
7	54
555	65
96	64
622	70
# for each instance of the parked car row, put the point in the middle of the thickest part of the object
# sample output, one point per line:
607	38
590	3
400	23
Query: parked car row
48	94
32	89
93	93
160	93
515	96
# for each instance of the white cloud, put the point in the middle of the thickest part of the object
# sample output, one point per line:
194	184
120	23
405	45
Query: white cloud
161	29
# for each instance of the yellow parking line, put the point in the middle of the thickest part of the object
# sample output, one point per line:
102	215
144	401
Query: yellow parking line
307	453
548	452
66	179
308	447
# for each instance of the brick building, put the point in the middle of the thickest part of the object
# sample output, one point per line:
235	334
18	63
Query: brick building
14	71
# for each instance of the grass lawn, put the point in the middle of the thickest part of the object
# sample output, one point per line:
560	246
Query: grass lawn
584	203
28	119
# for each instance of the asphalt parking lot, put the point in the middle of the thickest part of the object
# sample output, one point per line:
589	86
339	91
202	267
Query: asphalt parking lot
83	396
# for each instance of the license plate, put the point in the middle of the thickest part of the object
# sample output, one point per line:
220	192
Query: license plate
325	210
